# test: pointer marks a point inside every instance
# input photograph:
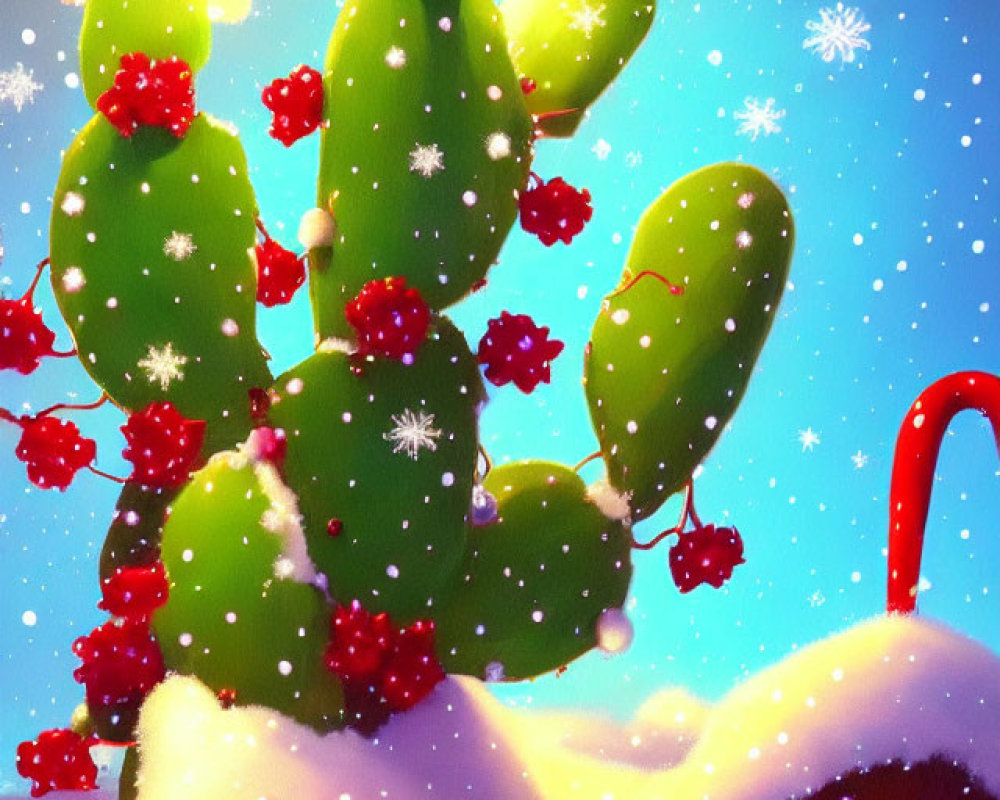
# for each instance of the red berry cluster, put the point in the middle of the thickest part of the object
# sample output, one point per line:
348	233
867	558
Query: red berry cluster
383	668
151	92
54	451
57	760
135	592
391	320
554	211
24	338
279	273
163	445
515	349
705	555
297	104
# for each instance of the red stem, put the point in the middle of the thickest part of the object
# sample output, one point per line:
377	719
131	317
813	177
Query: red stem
587	460
687	513
104	474
913	472
261	228
38	275
72	407
8	417
648	273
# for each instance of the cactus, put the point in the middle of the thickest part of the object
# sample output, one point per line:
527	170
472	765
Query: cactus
331	542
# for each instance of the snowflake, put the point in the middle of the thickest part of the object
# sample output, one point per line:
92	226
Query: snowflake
602	149
163	365
412	433
18	87
860	460
498	145
395	58
426	159
758	118
587	18
808	439
837	32
179	246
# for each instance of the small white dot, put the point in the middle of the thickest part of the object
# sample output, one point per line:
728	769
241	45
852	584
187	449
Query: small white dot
919	95
730	325
878	284
346	417
494	92
231	617
711	422
966	140
984	307
858	239
632	426
25	208
230	328
445	24
448	479
918	421
620	317
715	58
285	668
185	639
187	556
28	36
29	618
977	79
978	246
537	615
72	80
144	187
294	386
470	198
392	571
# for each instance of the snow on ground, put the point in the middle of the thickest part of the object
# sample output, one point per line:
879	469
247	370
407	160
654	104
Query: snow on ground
891	688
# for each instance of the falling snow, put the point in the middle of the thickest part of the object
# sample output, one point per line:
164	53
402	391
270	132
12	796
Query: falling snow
601	149
838	32
179	246
585	19
413	432
426	160
758	119
18	87
163	365
808	439
860	460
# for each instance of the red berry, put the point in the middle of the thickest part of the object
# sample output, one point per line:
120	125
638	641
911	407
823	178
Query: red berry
152	92
121	665
227	697
390	319
135	592
260	404
163	445
54	451
279	273
515	349
358	643
528	85
57	760
554	211
297	104
334	527
412	668
24	338
705	555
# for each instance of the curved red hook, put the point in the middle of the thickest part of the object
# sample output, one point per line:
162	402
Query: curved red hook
913	472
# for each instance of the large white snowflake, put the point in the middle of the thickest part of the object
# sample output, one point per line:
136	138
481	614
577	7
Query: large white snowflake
412	433
758	119
18	87
808	439
586	18
426	159
179	246
163	365
838	31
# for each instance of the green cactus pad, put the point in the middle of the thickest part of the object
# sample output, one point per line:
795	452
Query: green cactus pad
664	371
572	51
426	145
401	510
230	619
151	246
533	584
158	28
133	538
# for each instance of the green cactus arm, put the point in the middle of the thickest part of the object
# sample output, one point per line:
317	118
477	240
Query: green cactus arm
572	52
426	143
533	584
238	616
158	28
674	346
151	247
356	454
133	538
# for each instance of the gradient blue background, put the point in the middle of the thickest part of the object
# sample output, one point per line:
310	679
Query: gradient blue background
885	194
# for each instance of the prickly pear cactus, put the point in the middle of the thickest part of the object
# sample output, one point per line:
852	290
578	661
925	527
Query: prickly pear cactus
331	543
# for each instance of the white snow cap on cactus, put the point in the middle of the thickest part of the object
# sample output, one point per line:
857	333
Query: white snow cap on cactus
892	688
316	229
283	518
612	503
335	344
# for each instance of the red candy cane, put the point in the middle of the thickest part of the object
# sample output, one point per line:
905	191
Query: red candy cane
913	472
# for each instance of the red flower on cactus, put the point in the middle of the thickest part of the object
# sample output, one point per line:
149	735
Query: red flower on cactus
279	273
54	451
554	211
411	670
150	92
384	669
515	349
164	446
528	85
135	592
390	319
121	665
24	338
705	555
57	760
297	104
